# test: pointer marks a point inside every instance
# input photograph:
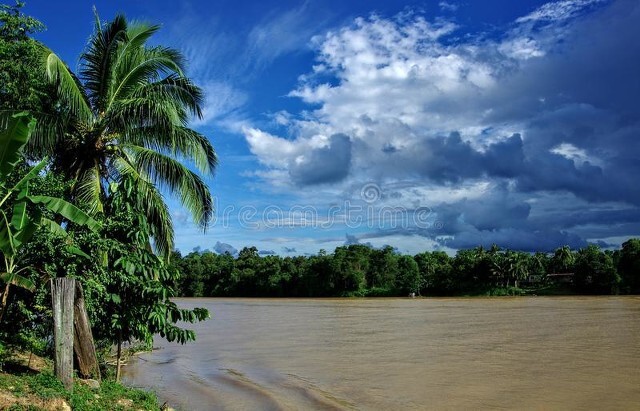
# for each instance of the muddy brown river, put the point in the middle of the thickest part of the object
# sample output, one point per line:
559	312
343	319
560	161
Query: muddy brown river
526	353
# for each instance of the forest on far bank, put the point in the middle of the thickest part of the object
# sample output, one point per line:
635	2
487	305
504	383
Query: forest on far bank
362	271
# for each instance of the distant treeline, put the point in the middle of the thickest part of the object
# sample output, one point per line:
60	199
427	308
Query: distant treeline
359	270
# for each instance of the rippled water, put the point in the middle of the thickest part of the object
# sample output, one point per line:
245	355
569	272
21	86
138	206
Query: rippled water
500	353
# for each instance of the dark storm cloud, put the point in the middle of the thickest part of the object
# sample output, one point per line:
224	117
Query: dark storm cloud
451	159
498	219
613	218
389	148
496	212
524	240
584	93
324	165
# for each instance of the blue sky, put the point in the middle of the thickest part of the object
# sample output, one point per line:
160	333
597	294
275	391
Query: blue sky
421	125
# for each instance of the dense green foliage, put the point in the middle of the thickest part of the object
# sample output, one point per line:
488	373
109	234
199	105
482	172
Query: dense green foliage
20	210
629	266
22	82
358	270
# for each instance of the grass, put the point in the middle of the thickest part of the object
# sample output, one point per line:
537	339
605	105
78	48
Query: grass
111	397
25	389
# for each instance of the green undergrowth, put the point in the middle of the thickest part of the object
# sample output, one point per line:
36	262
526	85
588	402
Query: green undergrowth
37	391
504	291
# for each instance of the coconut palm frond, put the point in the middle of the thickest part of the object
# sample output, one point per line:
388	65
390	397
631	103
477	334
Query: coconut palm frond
181	142
96	71
141	67
68	88
137	112
175	88
156	210
168	172
89	190
158	218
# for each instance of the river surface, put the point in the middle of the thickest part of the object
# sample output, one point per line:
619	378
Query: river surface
537	353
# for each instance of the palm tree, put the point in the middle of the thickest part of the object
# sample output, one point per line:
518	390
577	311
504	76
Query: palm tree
125	116
519	267
500	268
563	259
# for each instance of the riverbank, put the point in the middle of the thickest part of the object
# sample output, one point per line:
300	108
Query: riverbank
531	291
27	383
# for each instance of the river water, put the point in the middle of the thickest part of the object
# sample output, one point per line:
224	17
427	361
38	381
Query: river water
521	353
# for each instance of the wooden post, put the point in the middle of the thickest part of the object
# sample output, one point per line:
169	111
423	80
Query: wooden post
83	345
62	295
119	356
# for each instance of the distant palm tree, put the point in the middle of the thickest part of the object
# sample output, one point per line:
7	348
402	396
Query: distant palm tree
563	259
125	116
519	267
510	265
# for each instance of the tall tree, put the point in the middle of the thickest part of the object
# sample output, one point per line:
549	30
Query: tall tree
435	271
563	260
125	116
408	280
23	85
383	268
519	262
595	272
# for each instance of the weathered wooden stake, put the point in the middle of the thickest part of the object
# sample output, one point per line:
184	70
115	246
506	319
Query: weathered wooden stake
83	345
119	356
62	295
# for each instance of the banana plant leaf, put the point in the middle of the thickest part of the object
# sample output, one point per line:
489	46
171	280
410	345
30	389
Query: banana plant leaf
67	210
19	218
6	236
53	227
12	139
18	280
76	251
27	231
22	185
